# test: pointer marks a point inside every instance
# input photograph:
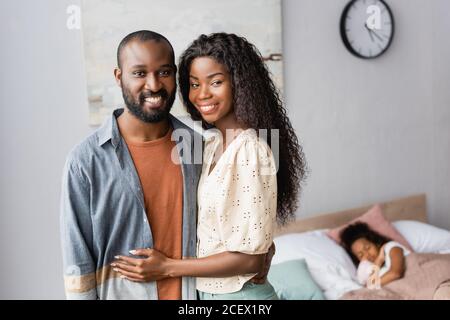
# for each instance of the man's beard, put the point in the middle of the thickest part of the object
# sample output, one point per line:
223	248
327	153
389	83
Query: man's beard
137	107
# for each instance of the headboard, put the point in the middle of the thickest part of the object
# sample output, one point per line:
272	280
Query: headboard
409	208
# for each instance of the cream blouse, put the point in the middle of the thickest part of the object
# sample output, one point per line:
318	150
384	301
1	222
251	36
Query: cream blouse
237	204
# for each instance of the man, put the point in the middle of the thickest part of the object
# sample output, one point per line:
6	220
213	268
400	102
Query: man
122	190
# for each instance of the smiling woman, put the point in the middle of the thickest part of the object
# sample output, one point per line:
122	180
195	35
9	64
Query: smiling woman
211	91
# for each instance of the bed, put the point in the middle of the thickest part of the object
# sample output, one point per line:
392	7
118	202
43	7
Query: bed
305	242
408	208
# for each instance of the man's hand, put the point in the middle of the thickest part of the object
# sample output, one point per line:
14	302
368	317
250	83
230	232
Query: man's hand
261	277
151	268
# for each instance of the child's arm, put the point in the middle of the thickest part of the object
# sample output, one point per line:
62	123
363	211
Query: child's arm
157	266
397	266
379	261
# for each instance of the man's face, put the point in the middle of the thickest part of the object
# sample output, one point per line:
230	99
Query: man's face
147	79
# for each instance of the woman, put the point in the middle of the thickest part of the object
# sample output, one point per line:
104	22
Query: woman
225	84
362	243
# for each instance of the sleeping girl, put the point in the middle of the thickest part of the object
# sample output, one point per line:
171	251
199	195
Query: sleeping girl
379	259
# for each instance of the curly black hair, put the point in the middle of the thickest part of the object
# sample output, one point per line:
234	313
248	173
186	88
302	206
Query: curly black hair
257	105
357	231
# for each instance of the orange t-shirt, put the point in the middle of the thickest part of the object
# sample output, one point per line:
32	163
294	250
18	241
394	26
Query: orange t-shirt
162	184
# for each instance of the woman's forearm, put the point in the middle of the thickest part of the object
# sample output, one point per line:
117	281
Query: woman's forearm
225	264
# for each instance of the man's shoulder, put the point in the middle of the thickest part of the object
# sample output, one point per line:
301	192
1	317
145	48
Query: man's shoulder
85	149
187	125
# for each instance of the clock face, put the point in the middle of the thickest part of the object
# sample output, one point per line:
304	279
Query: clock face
367	27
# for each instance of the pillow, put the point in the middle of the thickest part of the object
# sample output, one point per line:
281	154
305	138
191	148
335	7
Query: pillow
330	266
377	222
423	237
292	281
315	247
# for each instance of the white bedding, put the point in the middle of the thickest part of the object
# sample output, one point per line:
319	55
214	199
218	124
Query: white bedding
332	268
423	237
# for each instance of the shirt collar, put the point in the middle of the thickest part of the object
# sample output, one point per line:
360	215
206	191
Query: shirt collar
109	130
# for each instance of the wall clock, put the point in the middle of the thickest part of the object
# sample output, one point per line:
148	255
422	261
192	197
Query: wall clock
367	28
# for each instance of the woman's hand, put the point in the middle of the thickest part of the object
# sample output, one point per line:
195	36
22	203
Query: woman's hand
151	268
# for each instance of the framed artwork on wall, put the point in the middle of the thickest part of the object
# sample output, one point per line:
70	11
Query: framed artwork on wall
106	22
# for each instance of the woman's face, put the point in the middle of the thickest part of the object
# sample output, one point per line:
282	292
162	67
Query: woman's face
364	249
210	89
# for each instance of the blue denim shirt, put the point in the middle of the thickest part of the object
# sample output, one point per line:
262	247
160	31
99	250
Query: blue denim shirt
103	213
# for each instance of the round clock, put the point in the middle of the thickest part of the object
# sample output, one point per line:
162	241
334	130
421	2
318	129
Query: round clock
367	27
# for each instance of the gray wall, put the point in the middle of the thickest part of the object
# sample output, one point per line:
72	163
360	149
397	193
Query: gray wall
44	114
372	131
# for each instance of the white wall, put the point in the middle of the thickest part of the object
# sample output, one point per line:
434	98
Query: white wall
440	194
371	130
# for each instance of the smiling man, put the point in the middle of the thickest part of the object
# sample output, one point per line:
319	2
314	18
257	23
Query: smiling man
146	73
121	190
131	186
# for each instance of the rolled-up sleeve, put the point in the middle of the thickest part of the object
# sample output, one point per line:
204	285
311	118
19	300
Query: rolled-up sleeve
77	235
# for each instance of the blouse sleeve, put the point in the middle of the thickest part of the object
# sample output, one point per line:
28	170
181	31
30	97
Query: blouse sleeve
249	213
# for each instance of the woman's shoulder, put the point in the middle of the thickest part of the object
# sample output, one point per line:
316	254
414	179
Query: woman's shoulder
248	140
252	156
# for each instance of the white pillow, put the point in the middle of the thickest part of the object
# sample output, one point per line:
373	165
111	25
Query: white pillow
329	264
423	237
